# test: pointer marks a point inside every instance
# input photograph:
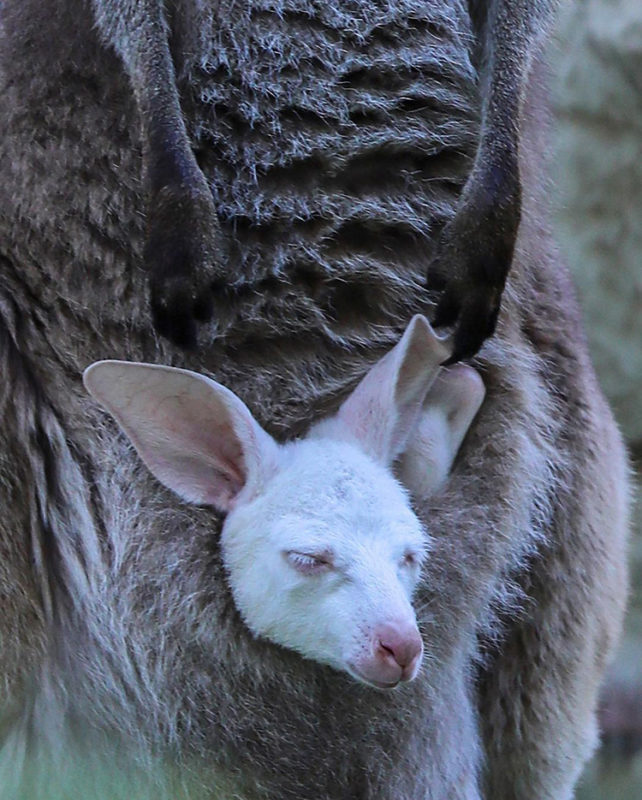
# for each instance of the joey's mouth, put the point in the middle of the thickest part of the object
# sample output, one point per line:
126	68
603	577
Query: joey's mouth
381	685
358	675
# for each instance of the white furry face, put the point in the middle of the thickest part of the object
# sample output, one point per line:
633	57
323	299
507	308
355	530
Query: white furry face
325	559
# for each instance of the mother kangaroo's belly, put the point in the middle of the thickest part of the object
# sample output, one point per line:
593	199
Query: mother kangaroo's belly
336	137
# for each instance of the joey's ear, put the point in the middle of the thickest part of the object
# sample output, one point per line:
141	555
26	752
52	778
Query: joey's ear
448	411
196	436
382	410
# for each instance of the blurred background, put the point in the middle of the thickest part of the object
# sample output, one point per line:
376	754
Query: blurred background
597	167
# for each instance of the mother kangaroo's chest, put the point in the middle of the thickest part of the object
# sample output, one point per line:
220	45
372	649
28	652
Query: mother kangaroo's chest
336	137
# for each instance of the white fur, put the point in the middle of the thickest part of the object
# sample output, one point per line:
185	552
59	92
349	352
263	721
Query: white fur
326	497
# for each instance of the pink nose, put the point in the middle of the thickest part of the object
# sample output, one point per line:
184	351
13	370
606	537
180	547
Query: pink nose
399	646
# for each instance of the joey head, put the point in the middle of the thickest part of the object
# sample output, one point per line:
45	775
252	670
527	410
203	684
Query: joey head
321	545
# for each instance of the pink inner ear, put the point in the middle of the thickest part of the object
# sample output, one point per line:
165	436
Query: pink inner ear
383	407
214	439
227	491
231	475
448	411
203	457
196	436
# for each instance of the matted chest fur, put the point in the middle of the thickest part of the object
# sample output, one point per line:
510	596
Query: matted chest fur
337	138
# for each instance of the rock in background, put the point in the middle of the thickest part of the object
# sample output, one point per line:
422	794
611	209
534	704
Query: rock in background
597	168
598	171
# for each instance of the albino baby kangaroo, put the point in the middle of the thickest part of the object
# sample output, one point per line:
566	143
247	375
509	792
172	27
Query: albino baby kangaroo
321	545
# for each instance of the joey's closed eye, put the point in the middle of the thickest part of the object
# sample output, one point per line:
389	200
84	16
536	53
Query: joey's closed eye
412	558
309	563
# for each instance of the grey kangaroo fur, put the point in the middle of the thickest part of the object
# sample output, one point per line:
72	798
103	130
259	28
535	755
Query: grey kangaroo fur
183	243
342	146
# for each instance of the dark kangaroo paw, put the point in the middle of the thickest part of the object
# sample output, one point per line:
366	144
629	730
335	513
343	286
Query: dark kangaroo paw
474	257
182	252
477	246
182	255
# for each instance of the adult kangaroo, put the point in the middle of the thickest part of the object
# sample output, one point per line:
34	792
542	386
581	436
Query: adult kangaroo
335	143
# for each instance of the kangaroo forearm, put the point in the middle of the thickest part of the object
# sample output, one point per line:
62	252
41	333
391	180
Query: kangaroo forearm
478	245
509	32
138	33
181	246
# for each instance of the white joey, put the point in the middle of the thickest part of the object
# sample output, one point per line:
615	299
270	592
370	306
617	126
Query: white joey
320	541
